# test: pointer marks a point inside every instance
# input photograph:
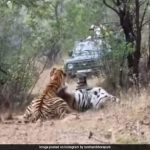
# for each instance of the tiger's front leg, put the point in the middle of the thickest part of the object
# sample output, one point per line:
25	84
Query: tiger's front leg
65	111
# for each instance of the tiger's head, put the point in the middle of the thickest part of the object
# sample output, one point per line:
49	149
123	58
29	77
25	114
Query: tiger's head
58	75
99	97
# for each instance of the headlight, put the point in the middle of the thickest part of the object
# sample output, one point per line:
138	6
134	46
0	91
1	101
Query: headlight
70	66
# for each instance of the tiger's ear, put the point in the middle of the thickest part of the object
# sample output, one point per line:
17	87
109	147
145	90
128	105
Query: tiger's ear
65	74
52	71
62	70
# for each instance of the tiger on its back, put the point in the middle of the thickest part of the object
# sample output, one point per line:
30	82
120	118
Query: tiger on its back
84	97
49	105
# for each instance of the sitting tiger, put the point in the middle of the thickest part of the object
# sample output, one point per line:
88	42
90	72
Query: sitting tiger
48	104
86	98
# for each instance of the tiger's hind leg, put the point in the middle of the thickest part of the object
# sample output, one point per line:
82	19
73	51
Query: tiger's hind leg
26	117
63	112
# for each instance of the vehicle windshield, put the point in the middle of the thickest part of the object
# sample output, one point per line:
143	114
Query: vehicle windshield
85	53
85	48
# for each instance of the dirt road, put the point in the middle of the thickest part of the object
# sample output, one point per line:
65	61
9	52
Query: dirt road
127	122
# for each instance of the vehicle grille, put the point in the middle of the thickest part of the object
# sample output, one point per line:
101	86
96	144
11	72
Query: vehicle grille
86	65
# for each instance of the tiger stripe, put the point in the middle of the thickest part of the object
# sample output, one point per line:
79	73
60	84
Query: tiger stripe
49	105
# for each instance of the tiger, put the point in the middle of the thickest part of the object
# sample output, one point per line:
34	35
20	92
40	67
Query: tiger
78	100
48	104
83	99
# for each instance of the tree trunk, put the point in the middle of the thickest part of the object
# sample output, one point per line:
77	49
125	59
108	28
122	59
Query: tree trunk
126	22
148	64
137	53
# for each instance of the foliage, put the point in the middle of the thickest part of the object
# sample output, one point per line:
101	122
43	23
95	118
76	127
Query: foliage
114	58
31	29
132	16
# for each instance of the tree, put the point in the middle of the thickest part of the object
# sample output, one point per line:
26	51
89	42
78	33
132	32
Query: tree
132	20
148	65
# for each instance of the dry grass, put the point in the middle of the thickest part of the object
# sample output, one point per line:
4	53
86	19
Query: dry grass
125	122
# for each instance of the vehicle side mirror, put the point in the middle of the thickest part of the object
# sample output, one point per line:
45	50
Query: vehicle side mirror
70	53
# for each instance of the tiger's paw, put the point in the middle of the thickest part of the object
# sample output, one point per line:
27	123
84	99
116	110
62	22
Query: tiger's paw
71	117
20	119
